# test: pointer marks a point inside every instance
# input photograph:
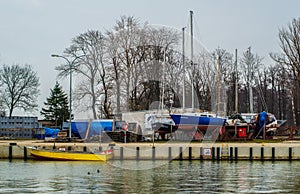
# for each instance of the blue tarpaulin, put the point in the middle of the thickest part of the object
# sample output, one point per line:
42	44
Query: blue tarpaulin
96	127
49	132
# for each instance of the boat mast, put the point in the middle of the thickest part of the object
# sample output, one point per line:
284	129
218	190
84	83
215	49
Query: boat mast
236	85
163	81
250	77
193	67
219	84
183	67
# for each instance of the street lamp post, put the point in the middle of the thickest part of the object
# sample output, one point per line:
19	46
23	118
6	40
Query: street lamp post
71	64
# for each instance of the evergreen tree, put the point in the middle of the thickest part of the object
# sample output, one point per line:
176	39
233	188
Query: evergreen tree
56	106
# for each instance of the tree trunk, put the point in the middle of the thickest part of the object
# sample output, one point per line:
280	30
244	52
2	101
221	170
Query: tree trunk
93	99
297	101
118	96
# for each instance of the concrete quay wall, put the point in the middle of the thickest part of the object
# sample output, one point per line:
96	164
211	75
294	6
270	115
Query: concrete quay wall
288	150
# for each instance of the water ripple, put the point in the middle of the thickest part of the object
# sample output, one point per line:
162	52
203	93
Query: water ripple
174	177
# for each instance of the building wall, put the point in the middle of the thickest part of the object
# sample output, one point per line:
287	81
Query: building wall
18	122
18	127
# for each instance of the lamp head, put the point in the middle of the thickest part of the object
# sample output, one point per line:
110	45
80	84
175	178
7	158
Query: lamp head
54	55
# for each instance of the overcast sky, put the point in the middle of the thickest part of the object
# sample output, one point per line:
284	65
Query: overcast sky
31	30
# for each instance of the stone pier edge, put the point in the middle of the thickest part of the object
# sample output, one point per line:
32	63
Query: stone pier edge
289	150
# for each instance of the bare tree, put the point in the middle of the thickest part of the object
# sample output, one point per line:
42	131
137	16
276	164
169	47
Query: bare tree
89	48
250	64
112	50
227	78
2	107
204	79
285	87
159	62
19	87
126	35
289	42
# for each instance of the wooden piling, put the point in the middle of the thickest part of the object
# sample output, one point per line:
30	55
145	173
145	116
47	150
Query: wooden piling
10	152
180	153
190	153
25	153
231	153
201	153
121	153
213	153
273	153
290	153
262	153
137	153
170	153
218	153
153	153
236	153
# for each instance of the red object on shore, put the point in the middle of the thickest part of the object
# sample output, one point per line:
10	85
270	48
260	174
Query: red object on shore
242	132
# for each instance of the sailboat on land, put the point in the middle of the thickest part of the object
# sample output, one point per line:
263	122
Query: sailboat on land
189	121
192	121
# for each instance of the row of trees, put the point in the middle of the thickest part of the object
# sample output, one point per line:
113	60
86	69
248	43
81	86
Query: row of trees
135	66
119	67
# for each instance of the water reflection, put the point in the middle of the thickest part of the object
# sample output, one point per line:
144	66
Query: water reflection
173	177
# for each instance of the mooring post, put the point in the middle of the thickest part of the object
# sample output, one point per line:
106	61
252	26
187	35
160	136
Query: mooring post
262	157
180	153
213	153
153	153
250	153
231	153
236	153
137	153
290	153
190	153
273	153
25	153
121	153
218	153
10	153
201	153
10	150
170	153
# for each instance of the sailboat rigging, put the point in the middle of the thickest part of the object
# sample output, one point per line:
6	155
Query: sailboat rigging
194	121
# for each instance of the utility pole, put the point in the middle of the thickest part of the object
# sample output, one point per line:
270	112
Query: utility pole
71	68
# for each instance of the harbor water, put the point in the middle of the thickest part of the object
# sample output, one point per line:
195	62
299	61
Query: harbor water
31	176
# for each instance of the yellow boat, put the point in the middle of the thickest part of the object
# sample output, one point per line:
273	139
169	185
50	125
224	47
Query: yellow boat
70	155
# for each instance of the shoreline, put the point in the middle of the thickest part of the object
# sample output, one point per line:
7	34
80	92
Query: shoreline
286	150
